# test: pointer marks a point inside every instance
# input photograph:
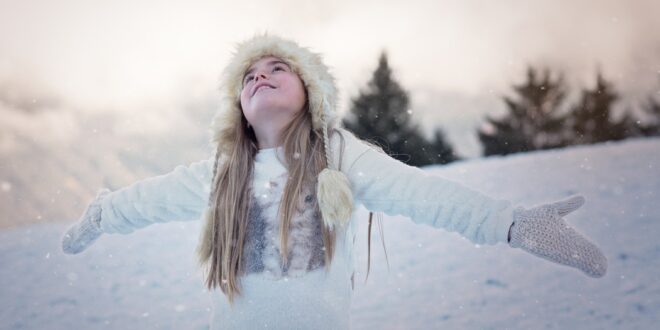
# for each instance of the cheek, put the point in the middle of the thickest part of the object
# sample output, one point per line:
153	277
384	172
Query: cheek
299	93
247	112
244	101
243	96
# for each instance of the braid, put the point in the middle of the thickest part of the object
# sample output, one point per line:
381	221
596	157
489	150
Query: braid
326	143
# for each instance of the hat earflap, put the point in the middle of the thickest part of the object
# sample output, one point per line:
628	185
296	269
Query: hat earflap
333	190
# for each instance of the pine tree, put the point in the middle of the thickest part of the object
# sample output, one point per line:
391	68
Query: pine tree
533	121
652	109
381	114
441	150
591	119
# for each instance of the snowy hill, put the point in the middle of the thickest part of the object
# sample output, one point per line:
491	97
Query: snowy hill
437	279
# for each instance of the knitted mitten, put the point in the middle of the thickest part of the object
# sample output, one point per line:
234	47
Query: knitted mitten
82	234
542	231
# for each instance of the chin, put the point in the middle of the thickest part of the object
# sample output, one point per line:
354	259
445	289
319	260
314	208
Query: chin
268	117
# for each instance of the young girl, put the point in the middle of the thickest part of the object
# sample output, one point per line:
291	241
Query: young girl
278	199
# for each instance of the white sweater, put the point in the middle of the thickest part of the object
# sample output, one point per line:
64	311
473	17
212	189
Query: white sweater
301	294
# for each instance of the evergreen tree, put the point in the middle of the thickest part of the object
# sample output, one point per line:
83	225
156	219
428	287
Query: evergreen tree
441	150
533	121
591	119
381	114
652	109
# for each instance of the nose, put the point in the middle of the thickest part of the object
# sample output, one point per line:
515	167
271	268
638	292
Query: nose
259	75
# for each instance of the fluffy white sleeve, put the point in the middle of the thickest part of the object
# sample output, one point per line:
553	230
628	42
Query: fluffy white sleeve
382	183
179	195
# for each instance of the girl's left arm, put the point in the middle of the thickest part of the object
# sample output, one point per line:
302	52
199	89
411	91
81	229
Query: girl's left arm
385	184
382	183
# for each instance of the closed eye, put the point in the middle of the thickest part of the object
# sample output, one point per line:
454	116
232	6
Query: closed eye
247	79
250	77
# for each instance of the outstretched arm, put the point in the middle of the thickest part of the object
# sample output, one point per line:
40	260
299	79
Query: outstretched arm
385	184
181	194
382	183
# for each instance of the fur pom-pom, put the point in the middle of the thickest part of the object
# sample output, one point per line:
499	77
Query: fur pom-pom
335	197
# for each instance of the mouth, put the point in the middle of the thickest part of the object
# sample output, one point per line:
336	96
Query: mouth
261	86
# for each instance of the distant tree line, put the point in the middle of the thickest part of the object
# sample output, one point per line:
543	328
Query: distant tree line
538	118
535	120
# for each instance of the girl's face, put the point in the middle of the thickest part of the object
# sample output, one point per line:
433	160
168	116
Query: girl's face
272	95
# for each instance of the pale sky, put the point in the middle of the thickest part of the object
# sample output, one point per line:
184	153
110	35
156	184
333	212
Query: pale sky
456	58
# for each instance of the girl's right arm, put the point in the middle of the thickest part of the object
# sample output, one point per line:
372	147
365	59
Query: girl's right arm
179	195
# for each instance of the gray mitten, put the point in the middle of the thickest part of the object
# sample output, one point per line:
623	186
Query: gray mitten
542	231
88	228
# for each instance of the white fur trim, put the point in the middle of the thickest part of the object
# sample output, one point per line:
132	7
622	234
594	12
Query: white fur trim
316	76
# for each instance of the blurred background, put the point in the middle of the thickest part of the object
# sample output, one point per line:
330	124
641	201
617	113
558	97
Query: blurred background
100	93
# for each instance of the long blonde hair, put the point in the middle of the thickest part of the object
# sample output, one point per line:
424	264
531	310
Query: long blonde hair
221	247
223	238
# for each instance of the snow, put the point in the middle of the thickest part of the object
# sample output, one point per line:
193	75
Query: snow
437	279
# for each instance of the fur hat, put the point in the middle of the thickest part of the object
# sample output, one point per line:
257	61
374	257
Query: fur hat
333	188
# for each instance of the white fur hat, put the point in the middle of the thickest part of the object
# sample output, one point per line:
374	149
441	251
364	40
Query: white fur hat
333	189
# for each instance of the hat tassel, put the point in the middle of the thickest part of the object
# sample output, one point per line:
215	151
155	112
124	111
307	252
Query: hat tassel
335	197
333	191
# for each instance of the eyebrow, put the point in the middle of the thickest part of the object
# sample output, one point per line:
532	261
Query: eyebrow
271	62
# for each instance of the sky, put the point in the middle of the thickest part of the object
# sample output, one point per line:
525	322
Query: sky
152	60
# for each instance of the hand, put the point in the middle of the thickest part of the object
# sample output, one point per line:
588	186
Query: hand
542	231
82	234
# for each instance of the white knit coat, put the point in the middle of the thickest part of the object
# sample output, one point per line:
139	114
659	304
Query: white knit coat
311	298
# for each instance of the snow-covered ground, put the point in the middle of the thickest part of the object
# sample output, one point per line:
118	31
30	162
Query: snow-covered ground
437	279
